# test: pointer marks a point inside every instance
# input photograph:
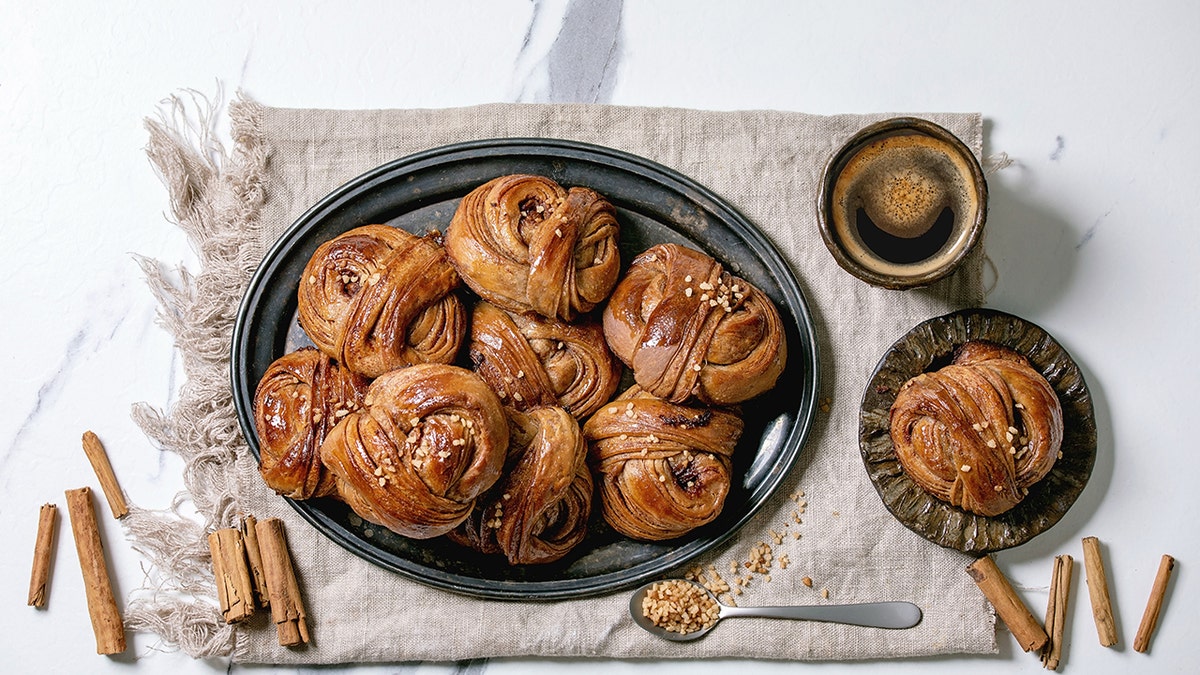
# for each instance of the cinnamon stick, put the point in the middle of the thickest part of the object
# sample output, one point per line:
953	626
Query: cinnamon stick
254	557
1056	610
1097	583
235	593
102	606
1158	592
1009	607
43	551
94	450
287	610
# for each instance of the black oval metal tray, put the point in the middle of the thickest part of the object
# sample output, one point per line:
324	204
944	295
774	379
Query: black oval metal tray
654	205
928	347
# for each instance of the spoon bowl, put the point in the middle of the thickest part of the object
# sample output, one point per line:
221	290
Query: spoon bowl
892	614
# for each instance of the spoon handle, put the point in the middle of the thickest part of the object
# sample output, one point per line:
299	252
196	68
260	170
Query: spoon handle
872	614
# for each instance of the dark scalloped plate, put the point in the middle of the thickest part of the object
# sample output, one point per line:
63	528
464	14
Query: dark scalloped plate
654	205
928	347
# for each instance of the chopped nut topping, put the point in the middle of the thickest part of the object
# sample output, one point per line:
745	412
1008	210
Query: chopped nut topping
679	607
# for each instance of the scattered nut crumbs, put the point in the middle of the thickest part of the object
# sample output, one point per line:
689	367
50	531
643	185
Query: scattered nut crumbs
761	558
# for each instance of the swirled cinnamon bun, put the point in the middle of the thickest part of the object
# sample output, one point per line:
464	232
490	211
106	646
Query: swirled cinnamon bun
533	361
525	243
428	441
663	469
979	432
377	298
688	328
539	510
298	400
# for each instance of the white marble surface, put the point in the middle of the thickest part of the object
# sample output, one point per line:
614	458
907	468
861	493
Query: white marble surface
1092	231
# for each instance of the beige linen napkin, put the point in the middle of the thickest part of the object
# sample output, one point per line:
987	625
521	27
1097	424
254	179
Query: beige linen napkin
768	165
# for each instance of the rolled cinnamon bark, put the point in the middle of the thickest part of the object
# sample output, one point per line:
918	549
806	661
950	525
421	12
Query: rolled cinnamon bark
102	606
1056	610
235	592
1009	607
287	610
96	454
1097	583
254	558
1141	643
43	552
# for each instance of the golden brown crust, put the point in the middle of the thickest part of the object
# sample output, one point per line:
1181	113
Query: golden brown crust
298	400
979	432
524	243
539	511
663	469
429	440
377	298
533	361
687	328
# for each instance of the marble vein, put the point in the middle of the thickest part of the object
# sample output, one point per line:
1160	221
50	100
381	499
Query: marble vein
88	337
569	53
582	62
1091	231
1059	146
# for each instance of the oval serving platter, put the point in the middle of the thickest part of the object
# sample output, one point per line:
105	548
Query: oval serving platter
928	347
654	204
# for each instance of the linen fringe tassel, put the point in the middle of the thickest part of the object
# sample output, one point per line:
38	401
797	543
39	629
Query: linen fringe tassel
215	198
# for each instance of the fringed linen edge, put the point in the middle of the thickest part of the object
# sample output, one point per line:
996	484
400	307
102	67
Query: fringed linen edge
215	197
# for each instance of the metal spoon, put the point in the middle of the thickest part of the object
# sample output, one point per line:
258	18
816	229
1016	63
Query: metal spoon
872	614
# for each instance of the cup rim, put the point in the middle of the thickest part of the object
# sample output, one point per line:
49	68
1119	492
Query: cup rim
837	162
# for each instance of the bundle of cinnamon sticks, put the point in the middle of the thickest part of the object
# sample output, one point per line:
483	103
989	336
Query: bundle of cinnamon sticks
1047	639
251	564
253	569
